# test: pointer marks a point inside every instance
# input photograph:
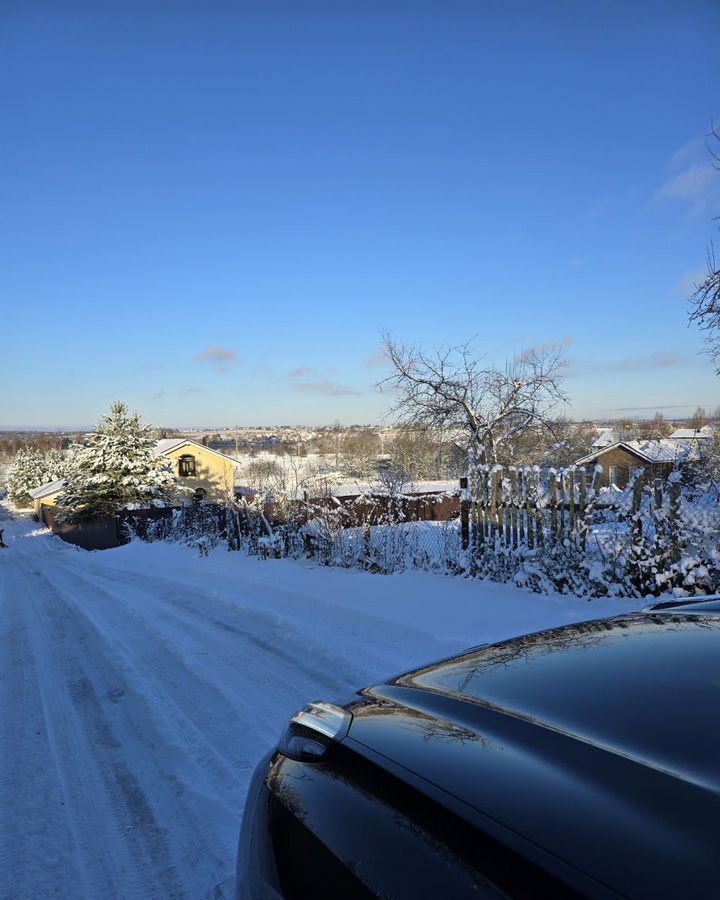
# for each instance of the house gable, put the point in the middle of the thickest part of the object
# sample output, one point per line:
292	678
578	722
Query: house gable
618	445
205	474
619	460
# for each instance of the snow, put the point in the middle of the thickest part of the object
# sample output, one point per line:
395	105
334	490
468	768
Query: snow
52	487
140	686
706	433
662	451
165	444
605	438
411	489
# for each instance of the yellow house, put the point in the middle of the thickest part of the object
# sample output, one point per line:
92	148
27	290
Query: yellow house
45	495
208	474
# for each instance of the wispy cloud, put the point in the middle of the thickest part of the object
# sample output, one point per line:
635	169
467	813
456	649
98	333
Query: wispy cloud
377	359
659	359
193	390
218	358
691	183
657	407
301	371
327	389
158	395
693	179
686	285
689	153
577	262
562	343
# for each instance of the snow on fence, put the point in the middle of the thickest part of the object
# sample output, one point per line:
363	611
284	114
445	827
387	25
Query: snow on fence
527	507
557	529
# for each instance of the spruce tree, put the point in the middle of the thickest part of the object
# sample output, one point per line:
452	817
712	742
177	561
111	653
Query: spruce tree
117	468
30	469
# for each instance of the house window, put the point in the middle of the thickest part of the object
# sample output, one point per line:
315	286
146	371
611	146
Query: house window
199	495
614	476
186	466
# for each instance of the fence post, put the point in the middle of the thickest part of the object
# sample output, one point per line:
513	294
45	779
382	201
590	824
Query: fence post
464	514
552	476
658	491
528	502
521	507
571	497
513	506
539	536
495	485
636	504
583	511
674	517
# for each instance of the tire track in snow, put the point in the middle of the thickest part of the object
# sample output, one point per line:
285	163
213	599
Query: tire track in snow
342	639
37	836
118	847
236	682
144	793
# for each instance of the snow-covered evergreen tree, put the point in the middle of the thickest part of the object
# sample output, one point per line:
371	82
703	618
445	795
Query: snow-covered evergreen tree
32	468
117	468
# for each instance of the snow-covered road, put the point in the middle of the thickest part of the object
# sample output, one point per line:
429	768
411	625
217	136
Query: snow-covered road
139	687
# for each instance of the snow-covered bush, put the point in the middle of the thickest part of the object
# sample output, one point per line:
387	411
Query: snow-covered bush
32	468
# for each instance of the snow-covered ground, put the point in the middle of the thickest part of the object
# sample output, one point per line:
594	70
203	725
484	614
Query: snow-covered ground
139	687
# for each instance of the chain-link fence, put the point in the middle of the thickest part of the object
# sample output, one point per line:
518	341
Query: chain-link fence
555	533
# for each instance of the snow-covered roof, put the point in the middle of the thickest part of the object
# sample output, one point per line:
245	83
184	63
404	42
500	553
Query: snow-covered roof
165	445
663	451
416	488
693	434
604	438
45	490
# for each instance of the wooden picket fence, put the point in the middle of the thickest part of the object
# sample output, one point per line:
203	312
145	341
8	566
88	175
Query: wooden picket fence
525	507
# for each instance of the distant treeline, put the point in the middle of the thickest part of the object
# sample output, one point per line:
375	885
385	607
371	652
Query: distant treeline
12	441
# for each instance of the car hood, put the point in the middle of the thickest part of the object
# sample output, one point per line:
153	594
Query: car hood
598	742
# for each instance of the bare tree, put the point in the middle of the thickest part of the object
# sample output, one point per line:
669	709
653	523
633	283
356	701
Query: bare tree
626	430
422	453
360	450
453	388
699	418
705	299
654	429
265	475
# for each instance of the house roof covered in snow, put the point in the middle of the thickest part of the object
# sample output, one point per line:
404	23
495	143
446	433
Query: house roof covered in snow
45	490
706	433
166	445
604	438
663	451
414	489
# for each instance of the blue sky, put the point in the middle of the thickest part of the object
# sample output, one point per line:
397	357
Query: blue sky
212	210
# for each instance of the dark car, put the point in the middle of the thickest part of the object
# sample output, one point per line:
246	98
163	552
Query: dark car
579	761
